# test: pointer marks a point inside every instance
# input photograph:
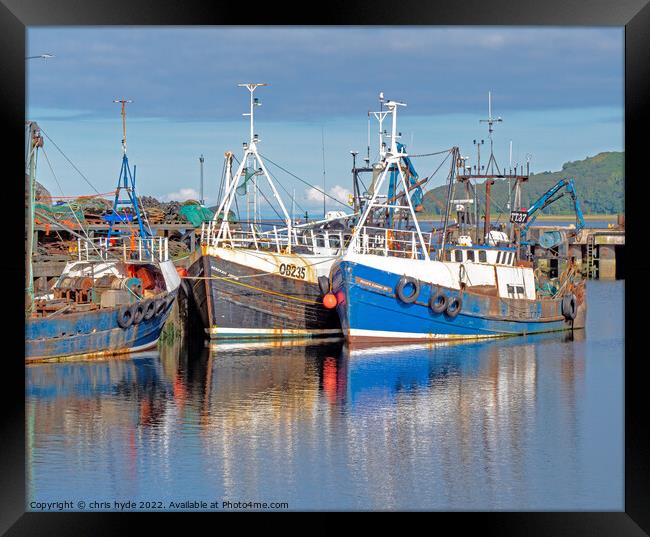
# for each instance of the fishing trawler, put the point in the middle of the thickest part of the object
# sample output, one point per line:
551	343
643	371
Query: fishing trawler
256	279
115	297
397	284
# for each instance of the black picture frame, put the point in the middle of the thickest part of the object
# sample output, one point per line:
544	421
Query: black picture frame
16	15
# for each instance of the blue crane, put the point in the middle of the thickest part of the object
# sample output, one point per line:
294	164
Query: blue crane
550	239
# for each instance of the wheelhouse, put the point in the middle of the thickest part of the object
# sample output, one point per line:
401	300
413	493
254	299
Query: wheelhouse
480	254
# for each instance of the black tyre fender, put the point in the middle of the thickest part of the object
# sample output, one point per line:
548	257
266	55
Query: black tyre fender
438	301
569	306
125	317
401	286
161	305
454	305
324	284
149	309
138	312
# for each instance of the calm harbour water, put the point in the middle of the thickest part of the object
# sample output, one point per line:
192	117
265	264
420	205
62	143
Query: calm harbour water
532	423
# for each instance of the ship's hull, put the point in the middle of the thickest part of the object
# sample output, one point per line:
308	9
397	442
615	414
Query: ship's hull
237	300
370	310
91	334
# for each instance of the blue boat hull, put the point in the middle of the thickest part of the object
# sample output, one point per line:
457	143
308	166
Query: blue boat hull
369	310
90	334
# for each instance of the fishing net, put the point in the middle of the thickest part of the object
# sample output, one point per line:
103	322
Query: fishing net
196	214
242	189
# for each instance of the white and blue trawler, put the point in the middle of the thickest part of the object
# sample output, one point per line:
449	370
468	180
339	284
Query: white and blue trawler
401	284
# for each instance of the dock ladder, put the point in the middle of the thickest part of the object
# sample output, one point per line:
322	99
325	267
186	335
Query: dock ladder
592	269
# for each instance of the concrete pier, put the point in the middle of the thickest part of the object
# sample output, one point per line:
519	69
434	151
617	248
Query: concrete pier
598	252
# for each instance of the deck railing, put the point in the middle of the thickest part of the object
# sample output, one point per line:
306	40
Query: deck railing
392	242
249	236
370	240
151	249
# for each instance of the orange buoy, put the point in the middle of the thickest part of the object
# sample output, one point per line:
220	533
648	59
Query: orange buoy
182	272
329	301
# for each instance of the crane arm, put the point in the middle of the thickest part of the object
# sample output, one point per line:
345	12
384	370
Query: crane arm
546	199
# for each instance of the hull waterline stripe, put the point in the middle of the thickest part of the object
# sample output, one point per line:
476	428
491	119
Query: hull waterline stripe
99	354
215	331
361	332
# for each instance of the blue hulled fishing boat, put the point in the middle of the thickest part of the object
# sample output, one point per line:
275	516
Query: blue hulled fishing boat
403	284
114	297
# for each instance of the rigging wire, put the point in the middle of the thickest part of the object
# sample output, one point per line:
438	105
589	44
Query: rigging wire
71	163
278	182
68	203
432	154
267	200
306	182
287	192
221	182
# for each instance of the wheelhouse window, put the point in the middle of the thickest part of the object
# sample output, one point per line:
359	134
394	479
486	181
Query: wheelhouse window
458	256
482	257
335	241
470	255
447	255
499	257
320	241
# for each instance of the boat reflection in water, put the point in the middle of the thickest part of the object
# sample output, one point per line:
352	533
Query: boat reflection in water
490	425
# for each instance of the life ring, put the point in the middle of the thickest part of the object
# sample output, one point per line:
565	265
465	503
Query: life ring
438	301
401	286
149	309
125	317
454	306
138	312
161	305
569	306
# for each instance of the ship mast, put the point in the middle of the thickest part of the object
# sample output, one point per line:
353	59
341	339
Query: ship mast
250	152
491	173
126	181
392	157
34	141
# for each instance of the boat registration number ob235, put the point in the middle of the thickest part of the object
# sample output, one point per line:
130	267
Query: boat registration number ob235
293	271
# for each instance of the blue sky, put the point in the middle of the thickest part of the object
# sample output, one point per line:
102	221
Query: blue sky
559	91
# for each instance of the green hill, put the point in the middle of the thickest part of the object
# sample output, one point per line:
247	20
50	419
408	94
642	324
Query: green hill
599	182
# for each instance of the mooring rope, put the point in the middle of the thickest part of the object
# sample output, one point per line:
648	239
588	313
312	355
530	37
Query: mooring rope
267	291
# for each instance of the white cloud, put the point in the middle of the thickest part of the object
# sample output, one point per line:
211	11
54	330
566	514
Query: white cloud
340	193
182	195
337	191
313	194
